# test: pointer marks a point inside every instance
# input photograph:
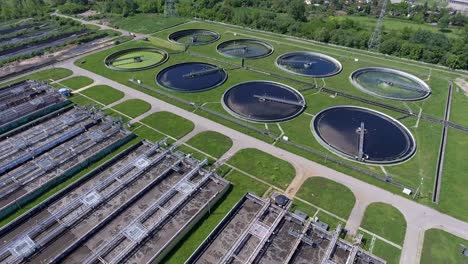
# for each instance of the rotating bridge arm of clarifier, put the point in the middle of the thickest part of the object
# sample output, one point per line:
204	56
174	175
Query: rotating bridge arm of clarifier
238	48
304	63
263	98
401	85
200	73
361	131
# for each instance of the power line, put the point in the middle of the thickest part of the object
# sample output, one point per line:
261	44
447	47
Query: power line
374	41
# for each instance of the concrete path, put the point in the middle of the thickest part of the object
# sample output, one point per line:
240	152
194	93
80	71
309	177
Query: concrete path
354	220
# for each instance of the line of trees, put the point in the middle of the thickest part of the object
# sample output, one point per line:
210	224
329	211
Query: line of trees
291	17
295	18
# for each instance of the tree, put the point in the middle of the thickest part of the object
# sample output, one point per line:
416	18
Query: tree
390	46
297	10
443	22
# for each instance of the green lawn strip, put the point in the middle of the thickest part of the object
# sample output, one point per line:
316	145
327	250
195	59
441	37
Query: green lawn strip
442	247
387	252
115	114
213	143
309	210
329	195
386	221
196	154
110	32
264	166
77	82
103	94
146	23
453	194
133	107
366	240
64	184
147	133
241	184
81	100
169	123
332	221
44	75
223	170
92	27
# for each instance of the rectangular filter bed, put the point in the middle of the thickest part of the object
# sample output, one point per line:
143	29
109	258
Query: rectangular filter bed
133	210
260	230
26	99
71	142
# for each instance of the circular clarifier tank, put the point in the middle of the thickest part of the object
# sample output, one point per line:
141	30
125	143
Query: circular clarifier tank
390	84
136	59
245	49
263	101
194	37
363	135
309	64
191	77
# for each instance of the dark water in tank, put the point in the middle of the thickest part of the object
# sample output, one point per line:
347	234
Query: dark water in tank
310	65
384	139
241	100
244	49
191	77
194	36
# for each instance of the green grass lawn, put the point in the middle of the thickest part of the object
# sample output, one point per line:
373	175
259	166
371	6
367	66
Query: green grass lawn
211	142
126	61
453	194
81	100
45	75
442	247
103	94
385	221
386	251
241	184
77	82
133	107
147	133
329	195
395	24
169	123
264	166
146	23
111	33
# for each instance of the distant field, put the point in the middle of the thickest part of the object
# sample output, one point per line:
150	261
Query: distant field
146	23
394	24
